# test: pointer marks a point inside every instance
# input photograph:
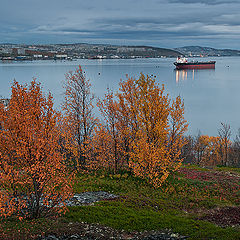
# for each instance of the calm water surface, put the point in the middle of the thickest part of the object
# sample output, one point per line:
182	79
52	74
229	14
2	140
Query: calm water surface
210	96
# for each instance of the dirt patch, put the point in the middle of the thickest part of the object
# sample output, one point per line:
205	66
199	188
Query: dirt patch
228	216
85	231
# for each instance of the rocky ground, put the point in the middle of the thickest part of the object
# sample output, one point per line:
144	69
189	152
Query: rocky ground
85	231
87	198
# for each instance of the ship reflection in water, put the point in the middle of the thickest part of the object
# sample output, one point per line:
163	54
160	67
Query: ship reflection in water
182	75
189	74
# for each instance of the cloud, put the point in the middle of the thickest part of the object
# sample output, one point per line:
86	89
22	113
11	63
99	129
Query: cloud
207	2
196	26
144	30
153	21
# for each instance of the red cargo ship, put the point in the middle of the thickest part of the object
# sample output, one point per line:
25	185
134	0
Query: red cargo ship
182	63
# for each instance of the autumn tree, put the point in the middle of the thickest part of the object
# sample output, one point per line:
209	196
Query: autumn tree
111	138
108	108
188	152
235	150
214	150
79	118
158	125
201	143
178	126
148	128
224	133
34	181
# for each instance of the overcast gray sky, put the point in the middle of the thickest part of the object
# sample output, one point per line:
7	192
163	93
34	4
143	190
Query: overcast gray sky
162	23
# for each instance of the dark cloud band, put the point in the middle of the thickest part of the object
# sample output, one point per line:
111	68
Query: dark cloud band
207	2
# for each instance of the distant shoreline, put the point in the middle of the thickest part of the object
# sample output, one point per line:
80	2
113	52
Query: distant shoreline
12	60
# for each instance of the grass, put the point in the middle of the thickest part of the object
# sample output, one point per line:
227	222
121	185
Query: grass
12	228
187	195
120	216
150	208
229	169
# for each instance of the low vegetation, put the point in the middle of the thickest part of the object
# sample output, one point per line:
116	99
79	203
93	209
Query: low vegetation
183	204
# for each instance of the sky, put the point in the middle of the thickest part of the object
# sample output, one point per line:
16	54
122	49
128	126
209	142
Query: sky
160	23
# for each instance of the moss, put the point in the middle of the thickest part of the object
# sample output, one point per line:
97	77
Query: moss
229	169
142	207
120	216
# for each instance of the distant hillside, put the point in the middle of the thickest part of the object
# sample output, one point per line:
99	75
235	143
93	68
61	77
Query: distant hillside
147	51
206	51
123	51
84	50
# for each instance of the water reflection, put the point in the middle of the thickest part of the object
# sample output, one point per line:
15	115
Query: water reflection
188	74
182	75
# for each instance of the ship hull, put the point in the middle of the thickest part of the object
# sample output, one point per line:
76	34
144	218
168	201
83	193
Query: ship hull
195	65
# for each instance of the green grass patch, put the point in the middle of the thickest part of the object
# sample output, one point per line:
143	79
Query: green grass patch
228	169
144	208
196	167
175	205
12	228
124	216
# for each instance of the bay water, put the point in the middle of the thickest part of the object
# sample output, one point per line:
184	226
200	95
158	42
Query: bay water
211	96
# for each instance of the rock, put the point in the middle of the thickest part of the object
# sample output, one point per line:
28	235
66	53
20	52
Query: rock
87	198
86	231
51	237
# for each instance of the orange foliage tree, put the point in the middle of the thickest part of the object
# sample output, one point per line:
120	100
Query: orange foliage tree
107	142
146	128
199	147
224	134
156	127
208	150
79	118
33	179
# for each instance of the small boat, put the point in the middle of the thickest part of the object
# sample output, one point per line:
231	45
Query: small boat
182	63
